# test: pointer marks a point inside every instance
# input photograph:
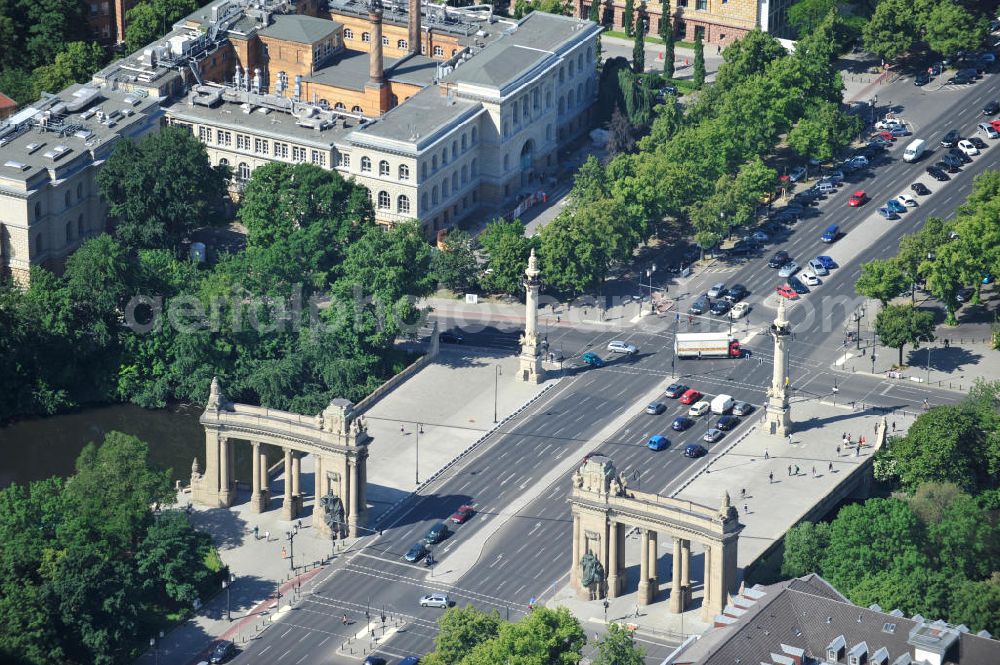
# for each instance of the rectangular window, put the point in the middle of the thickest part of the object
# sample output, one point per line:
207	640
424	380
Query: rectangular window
260	146
343	160
223	138
204	134
298	154
318	158
281	150
682	3
701	5
242	142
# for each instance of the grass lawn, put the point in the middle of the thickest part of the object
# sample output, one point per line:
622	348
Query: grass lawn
650	39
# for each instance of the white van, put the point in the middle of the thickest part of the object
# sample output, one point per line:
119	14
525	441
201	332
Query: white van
914	150
723	404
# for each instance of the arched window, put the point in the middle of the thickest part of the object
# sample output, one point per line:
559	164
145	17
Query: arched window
454	181
423	171
454	149
79	226
79	191
474	169
423	201
356	109
383	167
366	36
223	162
67	199
402	204
339	106
243	174
548	99
438	51
383	200
404	172
506	163
465	174
401	44
434	196
571	68
475	135
590	54
570	100
38	211
444	189
444	156
348	33
562	74
463	143
69	232
579	61
366	165
579	93
562	105
434	163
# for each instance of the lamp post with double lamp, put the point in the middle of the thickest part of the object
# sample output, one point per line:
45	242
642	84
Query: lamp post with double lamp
290	535
859	314
649	276
928	379
227	583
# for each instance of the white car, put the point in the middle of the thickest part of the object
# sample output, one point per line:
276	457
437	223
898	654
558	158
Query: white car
739	310
435	600
968	148
798	173
760	236
699	408
810	278
817	267
907	200
788	269
619	346
889	123
716	290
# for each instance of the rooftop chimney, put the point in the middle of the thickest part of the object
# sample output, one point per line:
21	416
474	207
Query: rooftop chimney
414	25
375	67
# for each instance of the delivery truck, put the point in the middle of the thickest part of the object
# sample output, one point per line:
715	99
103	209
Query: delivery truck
706	345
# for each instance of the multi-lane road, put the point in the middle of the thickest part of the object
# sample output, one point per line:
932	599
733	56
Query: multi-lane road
526	555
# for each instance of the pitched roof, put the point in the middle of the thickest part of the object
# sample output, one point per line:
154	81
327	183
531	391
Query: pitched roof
6	102
299	28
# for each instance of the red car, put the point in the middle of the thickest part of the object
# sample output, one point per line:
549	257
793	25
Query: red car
690	397
858	198
462	515
785	291
887	136
995	124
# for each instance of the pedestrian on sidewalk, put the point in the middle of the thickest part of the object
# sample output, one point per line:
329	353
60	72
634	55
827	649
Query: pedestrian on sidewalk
830	467
814	472
789	439
770	477
766	456
893	425
838	451
343	619
743	493
256	533
746	509
267	536
789	469
718	49
857	451
796	469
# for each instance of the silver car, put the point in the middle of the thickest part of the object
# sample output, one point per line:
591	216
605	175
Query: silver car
435	600
788	269
717	290
619	346
818	267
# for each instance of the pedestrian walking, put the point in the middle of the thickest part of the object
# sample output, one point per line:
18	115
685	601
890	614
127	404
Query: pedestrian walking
893	425
343	619
838	451
814	472
789	469
830	467
284	552
857	451
770	477
746	509
256	533
267	536
637	611
766	456
850	440
789	439
796	469
743	493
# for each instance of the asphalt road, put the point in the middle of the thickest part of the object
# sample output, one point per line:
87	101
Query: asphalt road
529	555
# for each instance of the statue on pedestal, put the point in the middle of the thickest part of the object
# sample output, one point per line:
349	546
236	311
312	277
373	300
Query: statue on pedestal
333	513
592	578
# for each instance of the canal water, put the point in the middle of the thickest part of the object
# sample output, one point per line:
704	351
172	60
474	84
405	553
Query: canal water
43	447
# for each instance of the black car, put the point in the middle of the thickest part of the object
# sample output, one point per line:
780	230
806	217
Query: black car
797	285
726	423
948	167
374	660
786	216
222	652
920	189
959	155
951	138
937	174
978	142
923	78
737	292
449	338
700	305
436	533
992	108
779	259
695	450
415	553
961	78
720	307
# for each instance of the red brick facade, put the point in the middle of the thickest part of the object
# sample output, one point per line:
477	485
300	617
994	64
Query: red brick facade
720	22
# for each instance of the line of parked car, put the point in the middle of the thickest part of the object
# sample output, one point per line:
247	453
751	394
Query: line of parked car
724	406
722	300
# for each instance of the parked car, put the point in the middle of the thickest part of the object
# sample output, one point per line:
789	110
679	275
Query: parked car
736	293
951	138
858	198
675	390
899	130
797	285
618	346
810	278
742	409
726	423
967	148
817	267
655	408
222	652
739	310
887	213
798	173
988	130
978	142
690	396
462	515
592	359
717	291
435	600
923	78
712	435
374	660
699	409
721	307
965	295
827	262
920	189
695	450
700	305
991	108
760	236
785	291
779	259
895	206
937	173
959	156
436	533
450	338
681	423
416	552
907	200
789	268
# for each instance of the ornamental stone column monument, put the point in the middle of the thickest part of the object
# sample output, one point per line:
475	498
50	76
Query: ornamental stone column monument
531	370
777	419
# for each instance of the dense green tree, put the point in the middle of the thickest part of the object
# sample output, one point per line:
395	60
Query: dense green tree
967	539
639	46
46	26
149	20
891	30
931	501
977	605
698	66
899	325
575	249
620	134
462	629
618	648
454	265
594	13
161	189
507	252
171	558
805	545
805	15
951	28
543	637
823	131
667	34
882	280
628	17
524	7
76	63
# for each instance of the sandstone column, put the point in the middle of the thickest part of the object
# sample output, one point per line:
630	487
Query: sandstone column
686	571
318	492
613	560
225	473
708	586
654	581
574	570
256	498
644	569
288	505
676	596
297	480
265	489
353	493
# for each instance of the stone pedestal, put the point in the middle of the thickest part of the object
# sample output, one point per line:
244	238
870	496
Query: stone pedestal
777	416
530	369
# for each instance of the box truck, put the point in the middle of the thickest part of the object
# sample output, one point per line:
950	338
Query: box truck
914	150
706	345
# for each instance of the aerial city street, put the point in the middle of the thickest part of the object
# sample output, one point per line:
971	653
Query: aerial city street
371	333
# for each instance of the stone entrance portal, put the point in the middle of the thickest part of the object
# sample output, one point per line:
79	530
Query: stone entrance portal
604	508
337	438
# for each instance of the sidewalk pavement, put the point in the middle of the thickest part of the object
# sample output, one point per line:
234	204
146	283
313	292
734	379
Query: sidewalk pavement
453	398
768	505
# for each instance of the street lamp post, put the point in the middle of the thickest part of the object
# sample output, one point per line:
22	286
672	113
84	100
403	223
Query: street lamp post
291	549
152	645
226	584
416	462
928	380
873	350
858	315
673	347
649	275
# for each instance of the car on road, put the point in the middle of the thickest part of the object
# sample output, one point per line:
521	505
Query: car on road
899	130
798	173
858	198
809	277
797	285
739	310
681	423
779	259
827	261
736	293
831	234
416	552
948	166
907	200
450	338
888	213
675	390
895	205
721	307
700	305
920	189
695	450
726	423
374	660
690	396
436	533
699	409
655	408
618	346
657	442
923	78
952	137
712	435
462	515
742	409
785	291
435	600
817	267
886	135
978	142
759	236
717	291
995	124
410	660
958	154
879	142
988	130
789	268
937	173
592	359
967	148
222	652
961	77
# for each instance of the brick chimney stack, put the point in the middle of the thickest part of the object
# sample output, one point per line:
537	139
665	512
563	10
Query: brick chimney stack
414	25
375	67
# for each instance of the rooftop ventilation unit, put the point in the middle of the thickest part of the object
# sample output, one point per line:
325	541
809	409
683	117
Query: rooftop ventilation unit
10	163
82	98
32	148
57	152
83	134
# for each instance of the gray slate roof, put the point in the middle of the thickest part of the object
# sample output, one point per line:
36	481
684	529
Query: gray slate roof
417	121
299	28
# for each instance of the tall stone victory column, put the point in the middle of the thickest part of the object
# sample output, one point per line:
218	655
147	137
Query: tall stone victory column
531	356
777	417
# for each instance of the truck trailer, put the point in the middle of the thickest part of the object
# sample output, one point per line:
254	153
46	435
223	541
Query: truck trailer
706	345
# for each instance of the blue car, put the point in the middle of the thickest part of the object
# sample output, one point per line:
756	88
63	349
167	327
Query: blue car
827	262
887	213
657	442
681	423
592	359
895	206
